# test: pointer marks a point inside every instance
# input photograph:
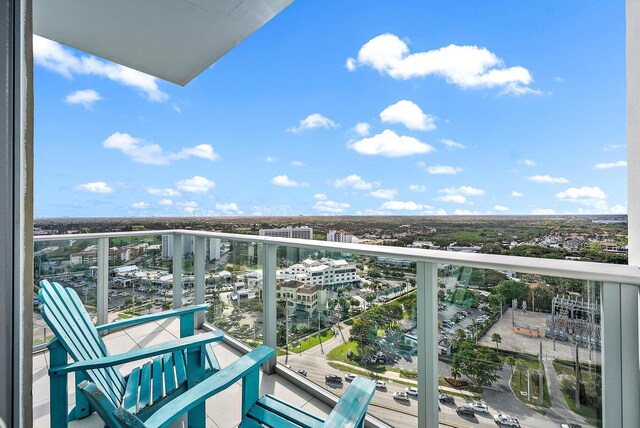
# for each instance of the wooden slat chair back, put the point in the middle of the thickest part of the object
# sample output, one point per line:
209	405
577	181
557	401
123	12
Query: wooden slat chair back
176	366
63	311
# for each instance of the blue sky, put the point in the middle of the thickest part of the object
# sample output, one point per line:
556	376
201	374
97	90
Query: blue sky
351	107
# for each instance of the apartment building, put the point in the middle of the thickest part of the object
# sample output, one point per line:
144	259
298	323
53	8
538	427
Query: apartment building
301	296
303	232
340	236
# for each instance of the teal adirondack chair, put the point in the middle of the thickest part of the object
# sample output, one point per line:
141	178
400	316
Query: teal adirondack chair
256	412
178	365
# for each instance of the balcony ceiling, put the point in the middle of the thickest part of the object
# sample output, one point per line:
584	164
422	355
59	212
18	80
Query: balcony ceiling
174	40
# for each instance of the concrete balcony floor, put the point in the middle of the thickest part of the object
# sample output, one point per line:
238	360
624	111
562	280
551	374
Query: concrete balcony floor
223	410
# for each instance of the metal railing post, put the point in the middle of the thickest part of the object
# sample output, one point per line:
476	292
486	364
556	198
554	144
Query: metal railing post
269	302
102	287
198	276
427	305
177	271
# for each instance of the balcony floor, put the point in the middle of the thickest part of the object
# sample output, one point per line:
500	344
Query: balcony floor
223	410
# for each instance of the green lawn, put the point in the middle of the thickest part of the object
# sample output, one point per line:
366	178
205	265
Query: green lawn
518	384
311	341
340	354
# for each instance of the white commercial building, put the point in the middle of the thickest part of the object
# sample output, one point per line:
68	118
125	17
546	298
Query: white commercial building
325	272
303	232
340	236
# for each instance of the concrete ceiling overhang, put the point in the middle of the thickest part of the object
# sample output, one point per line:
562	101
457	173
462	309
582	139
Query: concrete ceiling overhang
174	40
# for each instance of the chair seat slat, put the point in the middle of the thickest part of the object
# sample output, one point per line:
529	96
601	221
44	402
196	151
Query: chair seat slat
156	378
169	374
287	411
181	372
145	386
130	401
266	417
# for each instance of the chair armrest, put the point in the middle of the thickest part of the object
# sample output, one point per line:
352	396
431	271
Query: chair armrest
138	354
217	382
352	406
152	317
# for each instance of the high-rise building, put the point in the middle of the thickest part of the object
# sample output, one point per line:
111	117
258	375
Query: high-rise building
167	245
340	236
214	249
303	232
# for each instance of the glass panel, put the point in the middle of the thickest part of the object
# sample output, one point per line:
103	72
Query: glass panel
139	277
498	347
342	315
234	289
72	263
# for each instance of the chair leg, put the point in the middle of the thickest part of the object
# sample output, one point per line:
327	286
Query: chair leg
59	401
82	408
195	375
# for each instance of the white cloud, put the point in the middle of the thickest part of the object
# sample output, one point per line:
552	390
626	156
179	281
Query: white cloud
151	153
408	114
354	182
297	163
84	97
162	192
228	208
196	184
590	196
350	64
390	144
618	209
558	79
283	180
140	205
528	162
542	211
417	188
270	159
463	66
165	202
362	129
94	187
613	147
501	208
53	56
443	169
517	194
452	144
320	196
463	212
463	190
403	206
608	165
547	179
187	206
458	199
331	206
384	193
313	121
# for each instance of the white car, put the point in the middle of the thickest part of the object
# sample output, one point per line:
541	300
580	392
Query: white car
381	385
401	396
502	419
411	391
350	377
479	407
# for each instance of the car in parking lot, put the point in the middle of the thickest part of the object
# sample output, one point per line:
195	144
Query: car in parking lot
331	378
381	384
400	396
479	407
302	372
412	390
465	411
502	419
349	377
446	398
568	425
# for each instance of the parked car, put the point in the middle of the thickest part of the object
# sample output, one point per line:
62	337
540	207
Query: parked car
331	378
465	411
570	426
446	398
502	419
349	377
302	372
381	384
412	390
479	407
400	396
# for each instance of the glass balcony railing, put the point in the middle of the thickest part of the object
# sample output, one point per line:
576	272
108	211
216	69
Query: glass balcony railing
456	339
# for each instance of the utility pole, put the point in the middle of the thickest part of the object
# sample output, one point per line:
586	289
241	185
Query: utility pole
577	394
541	377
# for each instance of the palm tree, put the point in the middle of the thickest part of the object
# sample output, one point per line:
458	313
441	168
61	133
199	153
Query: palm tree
511	362
495	337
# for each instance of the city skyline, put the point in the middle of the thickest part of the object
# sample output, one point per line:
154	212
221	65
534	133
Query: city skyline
361	108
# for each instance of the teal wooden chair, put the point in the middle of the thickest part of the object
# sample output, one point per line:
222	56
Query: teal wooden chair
266	411
178	365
